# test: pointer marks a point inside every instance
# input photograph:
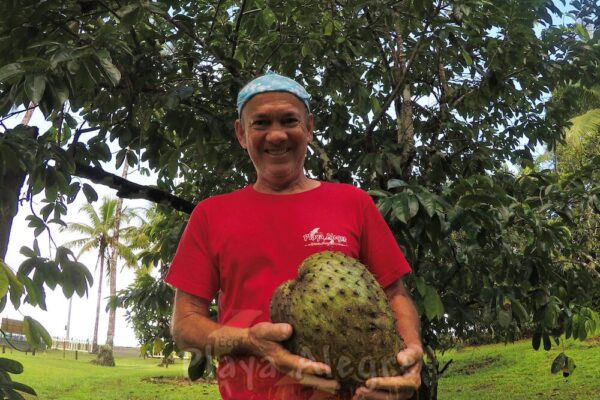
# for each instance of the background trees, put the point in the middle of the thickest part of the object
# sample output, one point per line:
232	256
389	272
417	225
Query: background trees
428	104
104	235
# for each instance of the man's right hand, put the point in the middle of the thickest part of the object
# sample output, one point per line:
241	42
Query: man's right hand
264	341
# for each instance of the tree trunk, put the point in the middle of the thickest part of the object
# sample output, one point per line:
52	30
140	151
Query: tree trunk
112	265
98	302
404	108
9	196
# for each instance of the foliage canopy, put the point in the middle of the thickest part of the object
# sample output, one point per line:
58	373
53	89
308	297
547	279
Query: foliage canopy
422	102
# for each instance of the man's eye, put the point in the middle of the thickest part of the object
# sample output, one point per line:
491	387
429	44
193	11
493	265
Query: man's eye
260	122
290	121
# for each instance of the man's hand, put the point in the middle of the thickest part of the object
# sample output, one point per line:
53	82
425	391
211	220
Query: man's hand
395	387
264	340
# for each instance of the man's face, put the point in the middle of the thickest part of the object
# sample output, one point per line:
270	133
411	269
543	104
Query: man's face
275	129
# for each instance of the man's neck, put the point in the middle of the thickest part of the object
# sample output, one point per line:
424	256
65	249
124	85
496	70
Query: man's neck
302	185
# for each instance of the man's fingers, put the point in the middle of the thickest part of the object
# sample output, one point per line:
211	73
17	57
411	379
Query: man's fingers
409	356
273	332
391	383
301	365
325	385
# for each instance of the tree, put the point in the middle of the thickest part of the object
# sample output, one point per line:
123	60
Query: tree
423	103
101	236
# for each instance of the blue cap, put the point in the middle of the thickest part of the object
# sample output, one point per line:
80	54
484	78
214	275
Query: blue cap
271	82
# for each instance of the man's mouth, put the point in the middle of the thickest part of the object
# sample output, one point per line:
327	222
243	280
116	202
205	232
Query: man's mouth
277	152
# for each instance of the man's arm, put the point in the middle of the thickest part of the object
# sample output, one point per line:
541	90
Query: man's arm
193	330
409	327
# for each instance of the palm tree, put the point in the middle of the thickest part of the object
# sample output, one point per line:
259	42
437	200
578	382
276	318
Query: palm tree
581	138
101	236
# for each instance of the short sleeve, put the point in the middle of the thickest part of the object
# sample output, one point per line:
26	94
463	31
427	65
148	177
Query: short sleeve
193	269
378	247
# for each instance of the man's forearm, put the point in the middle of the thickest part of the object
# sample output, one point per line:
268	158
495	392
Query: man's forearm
408	322
192	329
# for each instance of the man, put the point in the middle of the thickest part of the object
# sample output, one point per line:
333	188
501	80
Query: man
242	245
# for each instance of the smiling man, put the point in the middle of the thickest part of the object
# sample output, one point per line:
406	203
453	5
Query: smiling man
240	246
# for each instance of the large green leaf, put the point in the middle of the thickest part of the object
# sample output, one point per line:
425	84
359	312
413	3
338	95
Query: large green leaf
12	366
434	308
35	86
113	74
10	70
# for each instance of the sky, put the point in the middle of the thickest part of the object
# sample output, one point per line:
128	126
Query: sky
83	309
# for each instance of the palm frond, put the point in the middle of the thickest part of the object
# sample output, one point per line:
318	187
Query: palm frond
78	228
79	242
583	125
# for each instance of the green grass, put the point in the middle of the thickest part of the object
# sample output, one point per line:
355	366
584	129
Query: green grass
495	372
515	371
54	377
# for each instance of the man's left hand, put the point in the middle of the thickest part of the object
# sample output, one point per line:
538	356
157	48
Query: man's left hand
400	387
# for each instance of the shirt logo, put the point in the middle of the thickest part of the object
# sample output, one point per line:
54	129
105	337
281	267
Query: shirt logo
316	238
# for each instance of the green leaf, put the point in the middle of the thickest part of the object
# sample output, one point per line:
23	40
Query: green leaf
197	366
110	70
433	304
467	57
22	388
582	32
536	339
11	394
559	363
34	87
12	366
306	49
396	183
421	286
240	57
547	342
9	71
581	331
519	311
428	202
504	318
400	209
36	333
125	10
413	205
3	283
379	193
328	28
90	193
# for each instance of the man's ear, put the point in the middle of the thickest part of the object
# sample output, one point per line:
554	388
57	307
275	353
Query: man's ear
310	123
240	134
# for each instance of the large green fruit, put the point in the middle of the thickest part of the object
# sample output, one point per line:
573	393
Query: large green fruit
340	316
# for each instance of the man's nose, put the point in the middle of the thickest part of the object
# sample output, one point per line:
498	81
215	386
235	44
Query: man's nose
276	134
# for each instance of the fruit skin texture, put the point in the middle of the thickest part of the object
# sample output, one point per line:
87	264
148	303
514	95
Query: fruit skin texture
340	316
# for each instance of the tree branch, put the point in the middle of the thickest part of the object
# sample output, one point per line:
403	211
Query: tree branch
324	157
131	190
233	70
212	24
400	83
12	114
238	23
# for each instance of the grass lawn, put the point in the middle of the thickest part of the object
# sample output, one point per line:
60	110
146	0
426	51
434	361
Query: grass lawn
54	377
515	371
495	372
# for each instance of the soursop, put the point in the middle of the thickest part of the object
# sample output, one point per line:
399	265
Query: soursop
341	317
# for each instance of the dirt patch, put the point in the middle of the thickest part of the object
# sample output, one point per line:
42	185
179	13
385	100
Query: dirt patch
593	340
474	366
176	380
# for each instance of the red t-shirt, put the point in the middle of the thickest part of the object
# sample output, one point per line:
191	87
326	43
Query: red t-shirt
244	244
